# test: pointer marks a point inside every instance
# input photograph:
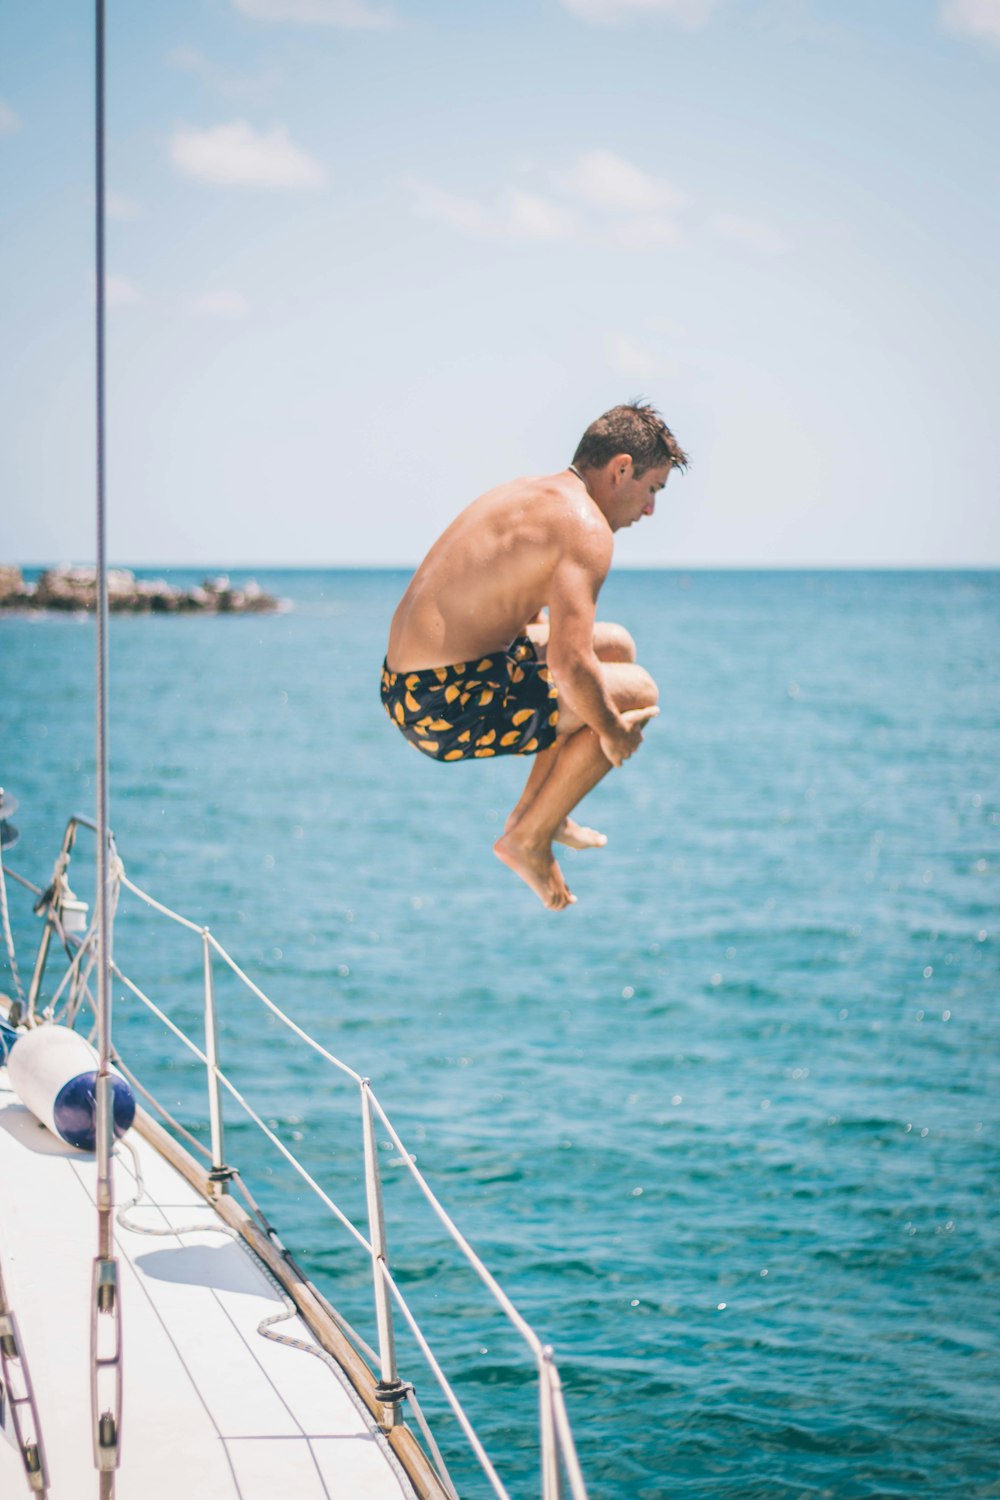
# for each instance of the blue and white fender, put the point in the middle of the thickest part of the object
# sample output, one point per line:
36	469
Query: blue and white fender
53	1070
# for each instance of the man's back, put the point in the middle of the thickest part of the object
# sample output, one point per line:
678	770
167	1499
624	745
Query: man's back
490	572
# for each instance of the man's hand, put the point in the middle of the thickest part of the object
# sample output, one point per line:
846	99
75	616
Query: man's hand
625	741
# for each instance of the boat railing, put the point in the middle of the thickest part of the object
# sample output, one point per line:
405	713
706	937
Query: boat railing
559	1459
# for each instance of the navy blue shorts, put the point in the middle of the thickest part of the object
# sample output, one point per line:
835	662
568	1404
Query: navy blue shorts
504	704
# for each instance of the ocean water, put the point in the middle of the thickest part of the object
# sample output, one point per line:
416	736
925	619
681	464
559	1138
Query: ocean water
726	1130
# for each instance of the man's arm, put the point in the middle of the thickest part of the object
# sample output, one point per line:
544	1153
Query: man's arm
576	584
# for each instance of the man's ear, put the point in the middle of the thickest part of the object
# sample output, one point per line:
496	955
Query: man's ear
620	468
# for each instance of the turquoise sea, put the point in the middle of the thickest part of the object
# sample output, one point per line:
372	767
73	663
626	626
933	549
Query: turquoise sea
727	1130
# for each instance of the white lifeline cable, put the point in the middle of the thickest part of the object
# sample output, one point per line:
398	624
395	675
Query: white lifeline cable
9	937
555	1406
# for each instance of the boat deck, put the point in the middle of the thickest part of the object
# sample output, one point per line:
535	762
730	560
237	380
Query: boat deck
212	1409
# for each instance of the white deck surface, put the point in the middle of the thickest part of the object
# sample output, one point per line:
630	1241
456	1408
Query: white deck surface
212	1410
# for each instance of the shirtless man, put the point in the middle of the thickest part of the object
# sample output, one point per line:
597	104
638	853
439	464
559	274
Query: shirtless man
465	677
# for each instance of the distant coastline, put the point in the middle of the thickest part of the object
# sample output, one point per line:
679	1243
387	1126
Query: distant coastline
69	588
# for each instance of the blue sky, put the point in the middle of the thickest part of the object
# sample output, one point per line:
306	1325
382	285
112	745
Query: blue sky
369	257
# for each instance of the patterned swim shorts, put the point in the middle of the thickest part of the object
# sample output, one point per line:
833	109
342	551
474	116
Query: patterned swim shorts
504	704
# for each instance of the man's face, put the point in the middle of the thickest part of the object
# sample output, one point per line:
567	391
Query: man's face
635	497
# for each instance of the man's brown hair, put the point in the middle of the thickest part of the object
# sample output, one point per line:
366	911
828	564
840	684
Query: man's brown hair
636	429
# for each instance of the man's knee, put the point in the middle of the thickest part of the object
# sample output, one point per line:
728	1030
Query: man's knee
613	642
648	688
631	686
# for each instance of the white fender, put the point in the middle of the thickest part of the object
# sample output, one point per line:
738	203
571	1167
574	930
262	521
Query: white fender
53	1070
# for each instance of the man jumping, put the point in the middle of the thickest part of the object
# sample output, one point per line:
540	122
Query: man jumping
465	677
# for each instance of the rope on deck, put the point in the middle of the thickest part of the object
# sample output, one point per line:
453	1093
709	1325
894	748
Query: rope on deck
266	1325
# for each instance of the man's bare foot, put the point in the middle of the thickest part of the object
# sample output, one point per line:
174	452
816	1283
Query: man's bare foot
578	836
536	868
573	835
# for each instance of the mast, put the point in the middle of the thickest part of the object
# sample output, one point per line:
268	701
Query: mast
105	1335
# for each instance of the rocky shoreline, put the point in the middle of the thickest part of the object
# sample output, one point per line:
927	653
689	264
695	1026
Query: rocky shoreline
76	588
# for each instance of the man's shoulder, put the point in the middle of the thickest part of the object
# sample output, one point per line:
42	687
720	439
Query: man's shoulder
578	524
563	496
557	509
536	487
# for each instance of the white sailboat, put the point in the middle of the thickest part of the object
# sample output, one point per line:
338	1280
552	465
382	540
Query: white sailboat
157	1340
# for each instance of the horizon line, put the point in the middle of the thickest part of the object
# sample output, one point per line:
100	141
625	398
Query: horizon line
623	567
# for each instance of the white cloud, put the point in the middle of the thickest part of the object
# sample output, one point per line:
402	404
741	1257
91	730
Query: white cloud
352	14
239	156
224	303
632	361
9	121
648	233
973	17
518	215
189	60
635	204
690	13
529	217
119	206
120	293
463	214
758	237
609	181
228	85
612	201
